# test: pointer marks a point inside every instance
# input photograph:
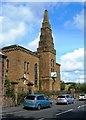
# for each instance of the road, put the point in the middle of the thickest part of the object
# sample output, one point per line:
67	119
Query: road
60	112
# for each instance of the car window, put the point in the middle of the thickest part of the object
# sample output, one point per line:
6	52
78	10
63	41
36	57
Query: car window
30	97
40	98
68	96
61	96
82	95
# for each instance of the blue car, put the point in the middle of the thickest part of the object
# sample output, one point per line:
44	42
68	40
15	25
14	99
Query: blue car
37	101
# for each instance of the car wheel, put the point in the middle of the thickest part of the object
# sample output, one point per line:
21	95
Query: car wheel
39	107
73	102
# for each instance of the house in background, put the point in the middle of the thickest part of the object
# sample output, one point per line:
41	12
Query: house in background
32	70
2	73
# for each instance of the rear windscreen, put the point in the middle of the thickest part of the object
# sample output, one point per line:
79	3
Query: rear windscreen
82	95
30	97
61	96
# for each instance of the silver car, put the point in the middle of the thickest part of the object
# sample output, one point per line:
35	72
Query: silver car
82	97
65	98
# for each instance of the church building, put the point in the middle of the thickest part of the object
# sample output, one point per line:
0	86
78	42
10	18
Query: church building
33	71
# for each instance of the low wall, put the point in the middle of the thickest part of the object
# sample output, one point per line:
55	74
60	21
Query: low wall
8	102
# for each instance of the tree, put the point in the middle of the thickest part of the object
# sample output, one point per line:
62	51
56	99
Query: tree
62	85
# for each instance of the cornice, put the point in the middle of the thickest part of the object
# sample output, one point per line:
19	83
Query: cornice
17	47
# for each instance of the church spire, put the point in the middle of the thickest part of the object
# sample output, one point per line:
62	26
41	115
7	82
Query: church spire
45	20
46	39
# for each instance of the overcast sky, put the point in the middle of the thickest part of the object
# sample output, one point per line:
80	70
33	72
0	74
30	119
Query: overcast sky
20	23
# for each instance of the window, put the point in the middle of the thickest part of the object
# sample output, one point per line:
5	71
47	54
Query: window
35	75
24	66
30	97
52	65
40	98
28	67
7	63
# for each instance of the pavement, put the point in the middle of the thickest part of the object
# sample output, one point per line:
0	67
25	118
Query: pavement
12	109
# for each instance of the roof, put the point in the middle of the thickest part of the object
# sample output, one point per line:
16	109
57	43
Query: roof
27	81
1	53
18	47
58	64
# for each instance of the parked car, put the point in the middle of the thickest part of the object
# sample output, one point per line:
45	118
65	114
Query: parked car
65	98
82	97
37	101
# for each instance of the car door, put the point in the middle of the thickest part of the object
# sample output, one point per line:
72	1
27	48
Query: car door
40	100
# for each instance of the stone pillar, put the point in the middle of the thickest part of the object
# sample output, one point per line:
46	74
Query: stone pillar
16	94
15	85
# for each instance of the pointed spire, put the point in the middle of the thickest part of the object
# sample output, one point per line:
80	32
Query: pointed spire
45	20
45	15
46	39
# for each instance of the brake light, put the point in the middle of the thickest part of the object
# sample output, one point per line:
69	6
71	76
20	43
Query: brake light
35	99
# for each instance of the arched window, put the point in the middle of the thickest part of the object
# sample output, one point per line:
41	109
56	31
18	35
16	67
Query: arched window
7	63
52	65
35	74
25	66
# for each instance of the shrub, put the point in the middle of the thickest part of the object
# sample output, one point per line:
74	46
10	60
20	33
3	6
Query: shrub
21	96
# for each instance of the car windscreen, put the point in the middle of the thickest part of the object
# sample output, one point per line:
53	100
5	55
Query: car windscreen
61	96
30	97
82	95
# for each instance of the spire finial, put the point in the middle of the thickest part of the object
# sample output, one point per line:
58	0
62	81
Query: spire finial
45	20
45	15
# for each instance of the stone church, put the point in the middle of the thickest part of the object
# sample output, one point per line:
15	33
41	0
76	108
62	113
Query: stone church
31	71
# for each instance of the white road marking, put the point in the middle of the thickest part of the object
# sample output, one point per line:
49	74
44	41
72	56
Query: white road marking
64	112
81	106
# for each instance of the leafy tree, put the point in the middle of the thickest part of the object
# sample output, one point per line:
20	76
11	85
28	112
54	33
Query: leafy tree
62	85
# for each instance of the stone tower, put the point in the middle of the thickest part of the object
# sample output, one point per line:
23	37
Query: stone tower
47	57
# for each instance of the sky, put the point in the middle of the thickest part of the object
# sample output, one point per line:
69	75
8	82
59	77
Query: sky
20	23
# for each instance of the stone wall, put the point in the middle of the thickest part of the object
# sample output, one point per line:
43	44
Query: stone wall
8	102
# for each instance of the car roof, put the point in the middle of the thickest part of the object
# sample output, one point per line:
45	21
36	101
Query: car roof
82	94
64	95
36	94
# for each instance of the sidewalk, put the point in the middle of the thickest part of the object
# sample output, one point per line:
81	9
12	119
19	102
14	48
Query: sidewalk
12	109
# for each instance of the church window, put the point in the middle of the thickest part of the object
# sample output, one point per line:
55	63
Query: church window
7	63
35	74
24	66
27	66
52	65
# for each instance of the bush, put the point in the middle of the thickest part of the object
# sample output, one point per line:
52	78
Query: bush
7	82
9	92
21	96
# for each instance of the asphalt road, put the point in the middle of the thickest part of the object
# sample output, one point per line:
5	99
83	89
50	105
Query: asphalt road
60	112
